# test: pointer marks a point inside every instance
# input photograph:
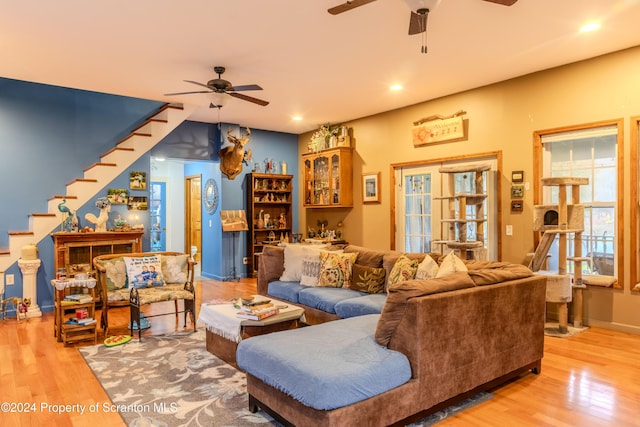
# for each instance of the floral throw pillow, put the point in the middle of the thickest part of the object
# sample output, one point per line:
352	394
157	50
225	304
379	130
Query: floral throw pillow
175	268
403	269
336	269
368	279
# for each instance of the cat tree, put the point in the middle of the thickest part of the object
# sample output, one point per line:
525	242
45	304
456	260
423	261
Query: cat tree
562	219
458	237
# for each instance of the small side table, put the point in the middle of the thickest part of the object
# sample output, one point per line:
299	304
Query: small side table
72	333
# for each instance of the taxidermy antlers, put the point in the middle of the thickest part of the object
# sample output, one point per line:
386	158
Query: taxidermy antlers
231	156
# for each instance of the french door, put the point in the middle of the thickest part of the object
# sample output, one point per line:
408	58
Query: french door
421	211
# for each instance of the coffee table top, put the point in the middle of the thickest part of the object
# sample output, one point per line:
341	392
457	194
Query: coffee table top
221	318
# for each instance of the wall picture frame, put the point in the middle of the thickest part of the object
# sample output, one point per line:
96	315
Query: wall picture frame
371	187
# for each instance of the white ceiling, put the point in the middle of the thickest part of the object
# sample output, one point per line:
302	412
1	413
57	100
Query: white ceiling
325	68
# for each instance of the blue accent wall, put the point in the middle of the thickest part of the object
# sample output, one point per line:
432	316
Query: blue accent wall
49	135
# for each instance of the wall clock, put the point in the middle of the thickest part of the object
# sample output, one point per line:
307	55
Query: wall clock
210	196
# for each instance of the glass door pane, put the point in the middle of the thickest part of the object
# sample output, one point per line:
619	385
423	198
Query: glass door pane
157	206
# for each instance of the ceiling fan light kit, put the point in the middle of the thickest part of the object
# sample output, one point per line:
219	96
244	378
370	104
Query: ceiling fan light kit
220	88
419	13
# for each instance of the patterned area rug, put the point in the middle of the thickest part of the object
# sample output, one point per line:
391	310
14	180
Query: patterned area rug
172	380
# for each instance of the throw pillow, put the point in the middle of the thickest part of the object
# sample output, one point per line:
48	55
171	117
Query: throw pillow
116	273
368	279
144	271
175	268
403	269
310	267
293	259
336	268
451	264
428	268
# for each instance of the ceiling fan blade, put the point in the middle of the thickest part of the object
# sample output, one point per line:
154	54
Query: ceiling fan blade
187	93
418	22
348	6
503	2
196	83
249	98
245	87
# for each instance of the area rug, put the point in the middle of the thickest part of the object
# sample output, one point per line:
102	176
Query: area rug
172	380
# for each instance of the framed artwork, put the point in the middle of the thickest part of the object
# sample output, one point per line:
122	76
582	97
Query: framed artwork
234	220
517	176
138	180
138	203
118	196
517	191
371	187
517	205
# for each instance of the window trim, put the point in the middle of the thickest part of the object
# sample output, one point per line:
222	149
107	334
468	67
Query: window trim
538	164
633	201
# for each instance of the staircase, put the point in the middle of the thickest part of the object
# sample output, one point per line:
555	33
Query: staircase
95	177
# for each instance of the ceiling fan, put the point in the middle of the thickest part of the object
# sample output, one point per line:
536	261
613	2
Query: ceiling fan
222	87
419	13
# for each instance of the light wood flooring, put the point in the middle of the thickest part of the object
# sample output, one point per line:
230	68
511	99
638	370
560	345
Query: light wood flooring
591	379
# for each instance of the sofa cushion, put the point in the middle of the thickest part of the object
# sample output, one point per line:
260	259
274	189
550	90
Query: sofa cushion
144	271
336	268
389	259
293	258
367	279
404	269
451	264
366	257
401	293
151	295
360	306
285	290
311	265
115	273
428	268
350	368
325	299
175	268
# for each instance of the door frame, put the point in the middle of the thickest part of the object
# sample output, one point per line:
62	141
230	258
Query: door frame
465	157
187	213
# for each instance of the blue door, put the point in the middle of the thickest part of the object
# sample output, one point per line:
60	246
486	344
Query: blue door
157	206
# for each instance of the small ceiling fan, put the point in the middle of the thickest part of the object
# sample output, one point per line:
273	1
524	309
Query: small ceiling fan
419	13
221	86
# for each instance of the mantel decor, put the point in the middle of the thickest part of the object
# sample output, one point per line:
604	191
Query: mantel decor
438	128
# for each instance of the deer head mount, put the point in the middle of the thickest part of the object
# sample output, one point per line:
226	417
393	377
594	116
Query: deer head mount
231	156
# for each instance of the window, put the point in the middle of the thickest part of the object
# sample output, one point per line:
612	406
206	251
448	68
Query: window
587	152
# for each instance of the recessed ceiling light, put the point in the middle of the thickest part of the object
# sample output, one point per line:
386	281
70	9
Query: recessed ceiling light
297	118
395	87
591	26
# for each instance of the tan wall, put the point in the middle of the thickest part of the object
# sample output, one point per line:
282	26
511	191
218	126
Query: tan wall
502	117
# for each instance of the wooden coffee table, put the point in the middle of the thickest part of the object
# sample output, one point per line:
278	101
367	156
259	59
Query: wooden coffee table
222	337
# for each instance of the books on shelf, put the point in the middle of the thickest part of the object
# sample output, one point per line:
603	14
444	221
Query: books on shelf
81	322
258	312
78	298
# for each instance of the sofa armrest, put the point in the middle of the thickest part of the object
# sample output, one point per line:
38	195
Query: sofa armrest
270	267
470	336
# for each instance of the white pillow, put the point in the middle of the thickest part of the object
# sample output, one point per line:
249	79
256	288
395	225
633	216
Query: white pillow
451	264
428	268
144	271
293	258
311	265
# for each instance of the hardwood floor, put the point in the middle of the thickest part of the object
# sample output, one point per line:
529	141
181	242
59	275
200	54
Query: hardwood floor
591	379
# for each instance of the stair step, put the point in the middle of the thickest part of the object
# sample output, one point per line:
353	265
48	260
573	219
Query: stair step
21	233
58	197
81	180
43	214
5	250
117	149
100	164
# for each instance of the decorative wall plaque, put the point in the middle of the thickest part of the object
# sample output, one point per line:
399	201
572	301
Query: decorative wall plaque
438	129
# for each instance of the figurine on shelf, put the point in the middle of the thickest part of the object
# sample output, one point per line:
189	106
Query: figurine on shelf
260	222
282	222
100	221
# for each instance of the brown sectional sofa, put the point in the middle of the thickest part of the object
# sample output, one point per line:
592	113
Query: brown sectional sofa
459	338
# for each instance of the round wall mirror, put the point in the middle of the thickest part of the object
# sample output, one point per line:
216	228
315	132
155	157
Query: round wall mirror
210	196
